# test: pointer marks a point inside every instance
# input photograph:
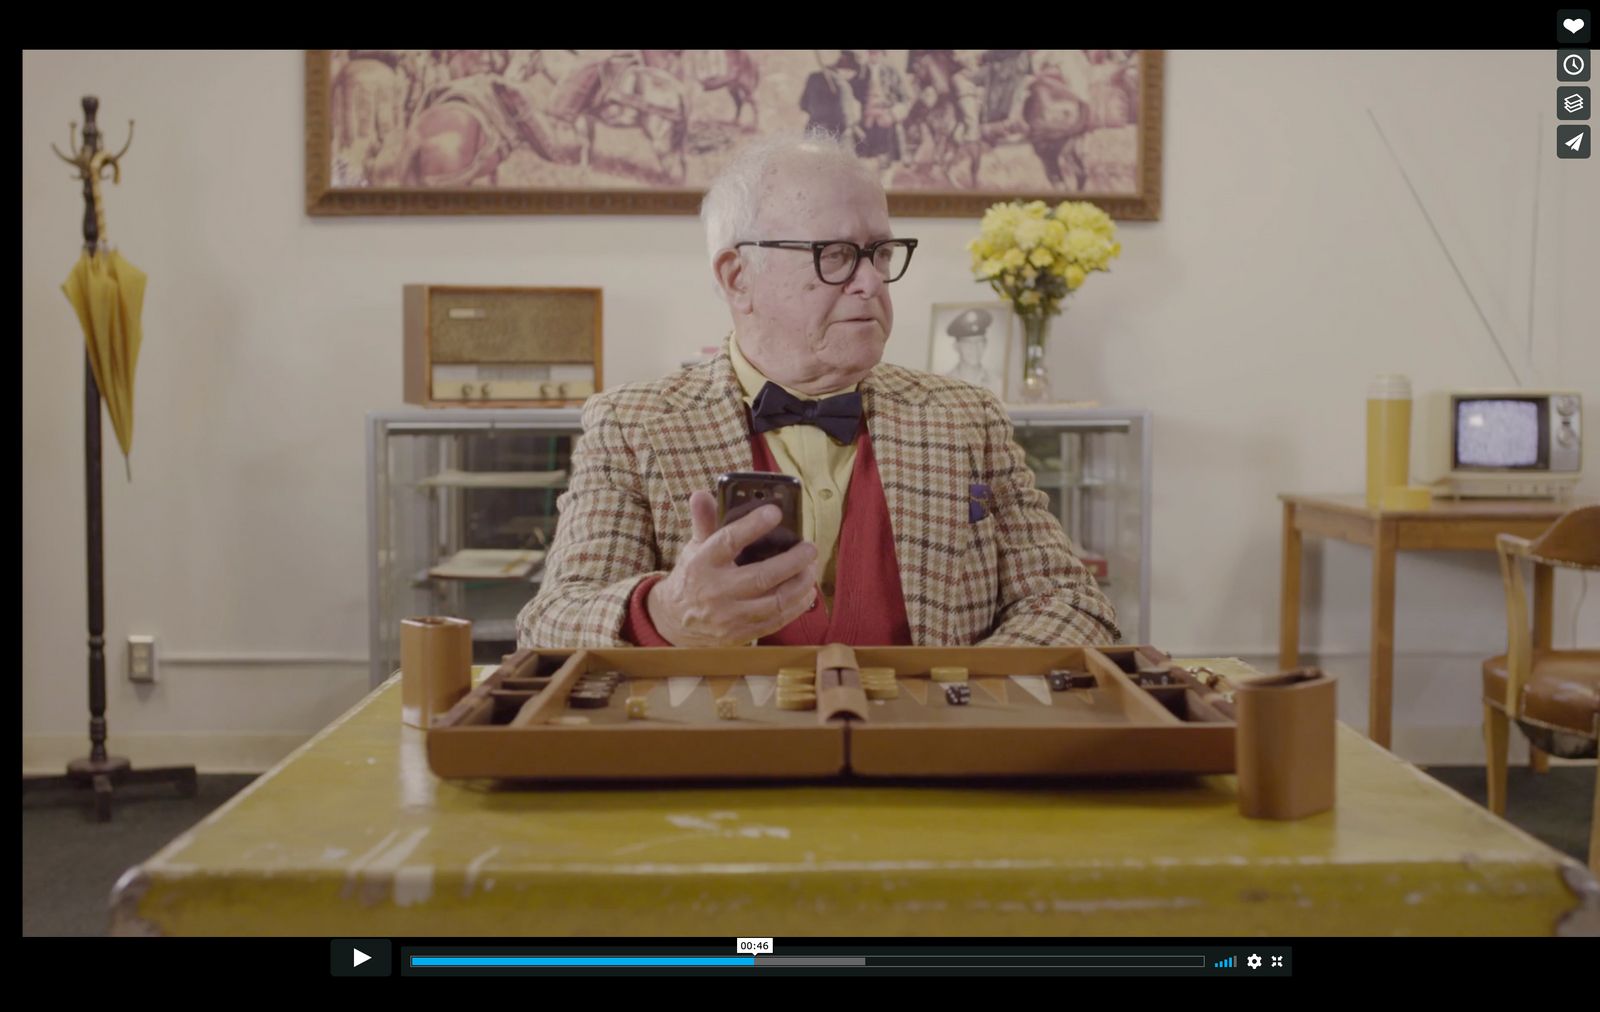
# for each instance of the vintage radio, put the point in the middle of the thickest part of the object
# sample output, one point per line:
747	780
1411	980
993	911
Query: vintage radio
501	347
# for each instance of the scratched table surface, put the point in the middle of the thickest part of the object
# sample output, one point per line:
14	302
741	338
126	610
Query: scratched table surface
353	835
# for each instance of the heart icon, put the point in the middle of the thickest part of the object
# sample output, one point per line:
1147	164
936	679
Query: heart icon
1573	25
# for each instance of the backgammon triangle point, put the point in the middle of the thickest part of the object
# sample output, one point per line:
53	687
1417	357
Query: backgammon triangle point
1035	686
761	687
680	689
995	687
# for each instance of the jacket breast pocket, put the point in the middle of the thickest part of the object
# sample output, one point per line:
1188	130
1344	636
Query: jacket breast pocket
976	587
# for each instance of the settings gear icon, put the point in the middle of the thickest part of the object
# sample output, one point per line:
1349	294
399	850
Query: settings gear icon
1254	961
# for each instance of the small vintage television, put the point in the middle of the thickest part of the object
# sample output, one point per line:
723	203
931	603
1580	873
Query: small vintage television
1502	443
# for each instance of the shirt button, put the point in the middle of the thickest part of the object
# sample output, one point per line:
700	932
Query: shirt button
826	493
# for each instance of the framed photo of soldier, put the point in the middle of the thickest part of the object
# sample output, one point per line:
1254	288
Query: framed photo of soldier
642	131
970	341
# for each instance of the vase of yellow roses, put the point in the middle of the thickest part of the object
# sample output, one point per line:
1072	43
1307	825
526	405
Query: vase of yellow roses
1035	255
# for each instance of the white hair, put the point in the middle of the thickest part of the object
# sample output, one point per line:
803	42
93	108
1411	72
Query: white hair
733	200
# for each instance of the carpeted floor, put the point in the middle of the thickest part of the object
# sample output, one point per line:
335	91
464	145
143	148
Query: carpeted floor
1553	807
70	862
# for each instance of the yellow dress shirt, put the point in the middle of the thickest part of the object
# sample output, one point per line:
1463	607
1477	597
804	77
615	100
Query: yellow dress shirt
822	465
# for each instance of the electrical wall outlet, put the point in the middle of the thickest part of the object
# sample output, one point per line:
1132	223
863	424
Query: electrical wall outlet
141	658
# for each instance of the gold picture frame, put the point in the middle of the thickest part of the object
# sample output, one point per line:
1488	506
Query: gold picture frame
640	131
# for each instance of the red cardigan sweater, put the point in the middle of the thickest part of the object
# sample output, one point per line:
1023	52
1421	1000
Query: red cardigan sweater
869	608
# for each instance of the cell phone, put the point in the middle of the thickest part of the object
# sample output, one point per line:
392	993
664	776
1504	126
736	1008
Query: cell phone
739	492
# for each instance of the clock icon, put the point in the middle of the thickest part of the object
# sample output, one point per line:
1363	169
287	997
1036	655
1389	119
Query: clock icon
1572	64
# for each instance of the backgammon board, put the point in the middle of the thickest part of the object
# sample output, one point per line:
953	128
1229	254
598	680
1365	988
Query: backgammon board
743	713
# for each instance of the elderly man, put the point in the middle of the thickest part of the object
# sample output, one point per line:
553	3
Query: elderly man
921	523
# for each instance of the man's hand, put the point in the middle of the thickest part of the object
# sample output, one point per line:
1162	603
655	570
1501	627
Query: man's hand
707	601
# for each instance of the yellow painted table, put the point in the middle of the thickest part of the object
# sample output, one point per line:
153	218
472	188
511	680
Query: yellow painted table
353	836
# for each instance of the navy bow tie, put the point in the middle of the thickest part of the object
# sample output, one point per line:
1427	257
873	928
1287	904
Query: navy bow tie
775	407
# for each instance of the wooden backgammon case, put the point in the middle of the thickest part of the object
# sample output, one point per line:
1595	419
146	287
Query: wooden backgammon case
564	715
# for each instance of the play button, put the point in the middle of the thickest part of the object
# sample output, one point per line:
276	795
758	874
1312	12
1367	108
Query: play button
361	957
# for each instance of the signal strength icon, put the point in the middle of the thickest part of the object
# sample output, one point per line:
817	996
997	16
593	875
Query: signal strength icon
1227	964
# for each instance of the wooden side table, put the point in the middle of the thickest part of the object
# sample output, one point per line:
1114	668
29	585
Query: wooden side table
1448	525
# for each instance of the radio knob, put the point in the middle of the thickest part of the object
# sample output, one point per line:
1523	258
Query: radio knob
466	391
1566	405
1566	437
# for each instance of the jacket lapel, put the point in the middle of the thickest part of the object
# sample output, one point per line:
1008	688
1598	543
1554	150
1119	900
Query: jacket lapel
894	413
703	436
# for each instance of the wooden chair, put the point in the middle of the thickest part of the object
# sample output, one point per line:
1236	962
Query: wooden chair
1553	695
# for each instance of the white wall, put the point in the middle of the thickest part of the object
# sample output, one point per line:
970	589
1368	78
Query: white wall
1291	264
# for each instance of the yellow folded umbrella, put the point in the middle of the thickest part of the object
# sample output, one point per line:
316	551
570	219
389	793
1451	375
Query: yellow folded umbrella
108	294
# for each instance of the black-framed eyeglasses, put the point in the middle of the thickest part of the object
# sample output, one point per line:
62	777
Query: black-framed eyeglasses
836	260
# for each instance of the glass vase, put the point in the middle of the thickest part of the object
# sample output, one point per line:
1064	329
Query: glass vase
1035	378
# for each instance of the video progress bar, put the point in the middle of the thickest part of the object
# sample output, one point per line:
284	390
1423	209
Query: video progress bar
496	961
1107	962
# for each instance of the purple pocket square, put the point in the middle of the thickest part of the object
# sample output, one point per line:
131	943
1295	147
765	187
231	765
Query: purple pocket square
979	501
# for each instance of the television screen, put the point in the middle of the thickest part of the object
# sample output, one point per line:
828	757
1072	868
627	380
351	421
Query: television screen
1497	433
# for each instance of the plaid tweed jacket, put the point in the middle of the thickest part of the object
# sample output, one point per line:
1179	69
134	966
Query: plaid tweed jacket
1008	578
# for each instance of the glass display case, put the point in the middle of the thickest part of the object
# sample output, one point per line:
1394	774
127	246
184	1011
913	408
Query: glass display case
462	505
1094	464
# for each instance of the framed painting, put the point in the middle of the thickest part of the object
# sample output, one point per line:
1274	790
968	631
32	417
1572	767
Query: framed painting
642	131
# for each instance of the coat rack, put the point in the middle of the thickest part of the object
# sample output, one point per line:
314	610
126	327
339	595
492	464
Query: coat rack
99	770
